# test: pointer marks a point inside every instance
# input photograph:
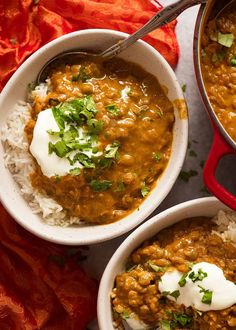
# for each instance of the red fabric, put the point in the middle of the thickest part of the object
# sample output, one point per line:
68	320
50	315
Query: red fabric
26	25
41	284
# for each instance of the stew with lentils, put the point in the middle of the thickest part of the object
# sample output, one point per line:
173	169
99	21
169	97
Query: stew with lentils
115	128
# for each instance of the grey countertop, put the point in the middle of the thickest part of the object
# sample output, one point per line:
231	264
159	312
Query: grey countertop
200	139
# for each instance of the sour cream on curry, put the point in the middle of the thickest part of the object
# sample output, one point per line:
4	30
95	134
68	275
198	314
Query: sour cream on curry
184	278
101	137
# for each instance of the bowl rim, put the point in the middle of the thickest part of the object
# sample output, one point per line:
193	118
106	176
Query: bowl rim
116	230
136	238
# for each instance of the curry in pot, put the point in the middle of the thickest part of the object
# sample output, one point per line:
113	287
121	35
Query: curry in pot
218	65
111	137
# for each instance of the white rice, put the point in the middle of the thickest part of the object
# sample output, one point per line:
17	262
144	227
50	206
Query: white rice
21	164
226	222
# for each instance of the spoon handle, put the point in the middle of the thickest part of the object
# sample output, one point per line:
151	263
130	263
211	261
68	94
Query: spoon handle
166	15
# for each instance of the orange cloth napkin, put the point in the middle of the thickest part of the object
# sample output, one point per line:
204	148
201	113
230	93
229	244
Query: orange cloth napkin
41	284
26	25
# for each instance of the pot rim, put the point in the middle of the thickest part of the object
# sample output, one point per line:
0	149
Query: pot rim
202	15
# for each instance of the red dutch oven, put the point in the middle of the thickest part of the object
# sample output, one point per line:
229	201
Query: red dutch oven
223	144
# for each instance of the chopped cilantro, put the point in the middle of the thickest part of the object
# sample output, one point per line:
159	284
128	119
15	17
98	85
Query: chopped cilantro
183	281
81	76
145	190
175	294
75	171
225	39
183	319
111	151
84	160
157	156
199	276
112	108
125	315
156	268
207	295
186	175
60	148
102	185
233	61
165	325
95	126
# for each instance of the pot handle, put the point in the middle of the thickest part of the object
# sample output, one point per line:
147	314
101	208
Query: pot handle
219	149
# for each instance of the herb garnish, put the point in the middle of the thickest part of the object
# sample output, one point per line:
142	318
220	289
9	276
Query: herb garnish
111	151
112	108
183	281
125	315
75	171
175	294
102	185
225	39
207	295
156	268
165	325
81	76
145	190
183	319
199	276
157	156
233	61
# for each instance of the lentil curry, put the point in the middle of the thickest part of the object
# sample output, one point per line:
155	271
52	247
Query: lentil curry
128	129
178	247
218	65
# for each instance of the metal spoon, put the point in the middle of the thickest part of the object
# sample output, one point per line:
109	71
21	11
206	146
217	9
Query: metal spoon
164	16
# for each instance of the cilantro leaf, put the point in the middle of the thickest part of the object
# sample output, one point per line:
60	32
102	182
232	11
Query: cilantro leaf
199	276
95	126
81	76
225	39
233	61
207	295
183	281
145	190
75	171
111	150
112	108
102	185
165	325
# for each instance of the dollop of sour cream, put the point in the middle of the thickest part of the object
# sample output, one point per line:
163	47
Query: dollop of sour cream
205	288
50	164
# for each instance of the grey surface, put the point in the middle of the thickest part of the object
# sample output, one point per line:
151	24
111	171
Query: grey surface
200	138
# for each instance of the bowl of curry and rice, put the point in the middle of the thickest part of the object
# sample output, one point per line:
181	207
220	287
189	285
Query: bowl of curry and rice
176	271
90	152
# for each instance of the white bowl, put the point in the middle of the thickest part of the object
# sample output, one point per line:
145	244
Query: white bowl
207	207
140	53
